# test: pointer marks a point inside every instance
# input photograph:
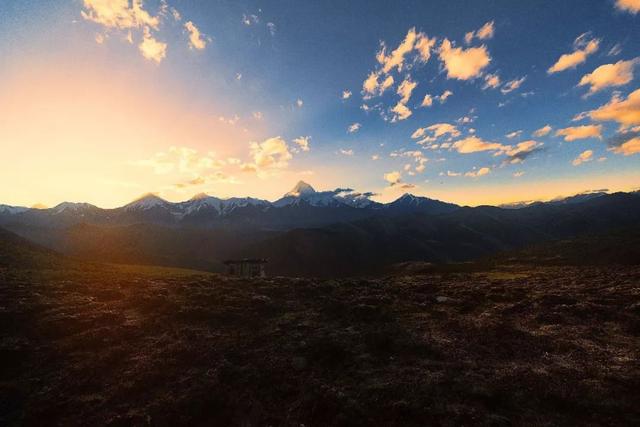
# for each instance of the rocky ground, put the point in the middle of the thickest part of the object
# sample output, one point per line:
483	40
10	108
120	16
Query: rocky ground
144	346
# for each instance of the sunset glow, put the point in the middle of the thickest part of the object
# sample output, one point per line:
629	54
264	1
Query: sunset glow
102	101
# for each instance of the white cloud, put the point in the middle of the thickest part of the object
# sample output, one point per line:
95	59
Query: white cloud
427	101
485	32
580	132
393	178
354	127
585	156
514	134
442	129
512	85
299	103
121	14
346	94
405	89
463	64
491	81
518	174
196	41
257	115
269	155
478	173
346	152
543	131
632	6
401	112
182	160
302	142
375	157
396	58
151	48
582	49
445	95
608	75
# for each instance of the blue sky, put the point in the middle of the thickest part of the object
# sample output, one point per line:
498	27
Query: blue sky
253	100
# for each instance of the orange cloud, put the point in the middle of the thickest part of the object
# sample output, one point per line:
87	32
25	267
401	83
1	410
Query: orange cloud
473	144
196	41
632	6
463	64
585	156
580	132
632	146
608	75
624	111
582	49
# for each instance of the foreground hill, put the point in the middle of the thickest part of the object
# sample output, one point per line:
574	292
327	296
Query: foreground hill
129	346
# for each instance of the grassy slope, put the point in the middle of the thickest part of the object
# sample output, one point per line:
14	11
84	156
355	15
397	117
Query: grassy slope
124	345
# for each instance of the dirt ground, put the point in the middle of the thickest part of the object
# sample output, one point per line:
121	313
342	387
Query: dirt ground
145	346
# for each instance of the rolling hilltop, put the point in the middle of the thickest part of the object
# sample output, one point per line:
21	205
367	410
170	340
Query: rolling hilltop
311	233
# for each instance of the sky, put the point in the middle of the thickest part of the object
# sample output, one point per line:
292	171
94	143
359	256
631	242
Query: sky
473	102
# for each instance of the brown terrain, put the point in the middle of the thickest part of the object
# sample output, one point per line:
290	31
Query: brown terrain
89	344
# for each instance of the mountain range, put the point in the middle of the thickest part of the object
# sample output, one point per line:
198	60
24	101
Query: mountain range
302	206
312	233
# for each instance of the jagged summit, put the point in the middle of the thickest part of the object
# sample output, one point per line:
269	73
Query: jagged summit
301	189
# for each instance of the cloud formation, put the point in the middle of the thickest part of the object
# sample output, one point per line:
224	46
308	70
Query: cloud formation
632	6
580	132
196	40
609	75
132	19
583	47
267	156
543	131
302	142
463	64
151	48
393	178
354	127
625	143
624	111
512	85
478	173
491	81
474	144
585	156
483	33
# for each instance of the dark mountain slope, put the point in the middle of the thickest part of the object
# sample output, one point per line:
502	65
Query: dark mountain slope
18	252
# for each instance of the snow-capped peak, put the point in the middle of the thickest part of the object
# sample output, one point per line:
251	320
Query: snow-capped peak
71	207
301	189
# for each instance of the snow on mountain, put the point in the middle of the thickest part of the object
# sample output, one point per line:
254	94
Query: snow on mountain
202	201
304	192
232	203
12	210
301	189
71	207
